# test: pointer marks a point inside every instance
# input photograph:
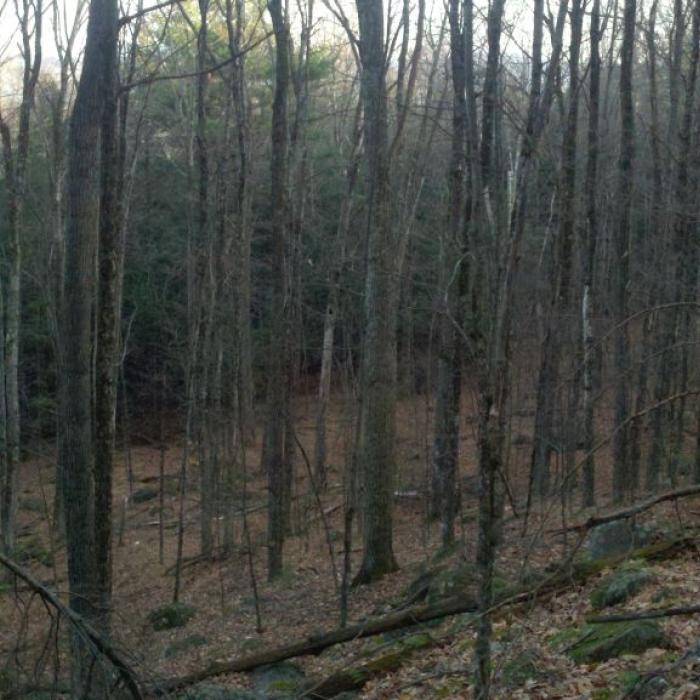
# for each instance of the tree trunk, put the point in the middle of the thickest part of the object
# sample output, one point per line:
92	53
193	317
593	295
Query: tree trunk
588	299
448	391
378	427
277	390
82	219
108	315
621	472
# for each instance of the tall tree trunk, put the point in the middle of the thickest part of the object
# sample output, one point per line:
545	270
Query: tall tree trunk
378	427
82	220
448	391
108	315
277	390
591	239
621	473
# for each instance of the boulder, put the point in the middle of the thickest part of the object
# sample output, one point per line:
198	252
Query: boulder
617	538
278	681
619	586
601	642
440	582
170	616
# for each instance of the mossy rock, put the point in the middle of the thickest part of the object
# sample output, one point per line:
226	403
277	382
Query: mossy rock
144	495
619	586
282	680
618	538
601	642
171	616
440	582
520	669
583	568
181	645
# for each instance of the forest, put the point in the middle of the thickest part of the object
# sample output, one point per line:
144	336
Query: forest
349	349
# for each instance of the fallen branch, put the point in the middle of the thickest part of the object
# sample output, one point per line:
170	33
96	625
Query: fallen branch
647	615
633	510
102	646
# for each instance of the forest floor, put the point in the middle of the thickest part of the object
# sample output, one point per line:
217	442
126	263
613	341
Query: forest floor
305	601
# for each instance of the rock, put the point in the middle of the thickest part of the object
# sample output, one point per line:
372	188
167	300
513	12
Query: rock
605	641
617	538
282	680
217	692
440	582
619	587
180	645
521	668
170	616
143	495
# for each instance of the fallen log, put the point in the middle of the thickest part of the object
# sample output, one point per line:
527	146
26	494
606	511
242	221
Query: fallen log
311	646
646	614
633	510
354	678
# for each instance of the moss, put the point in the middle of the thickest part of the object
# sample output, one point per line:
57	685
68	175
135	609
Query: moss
600	642
170	616
628	680
564	637
283	686
413	642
